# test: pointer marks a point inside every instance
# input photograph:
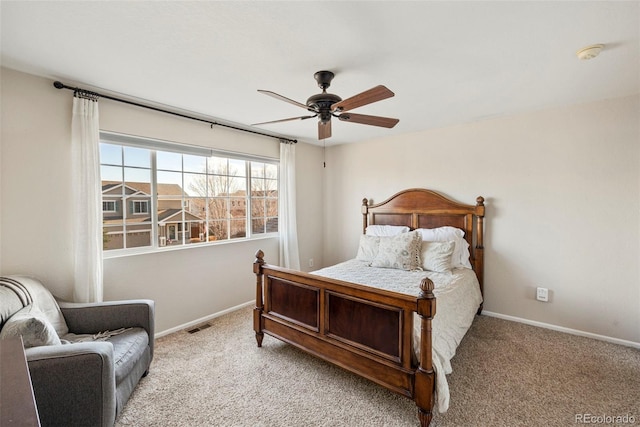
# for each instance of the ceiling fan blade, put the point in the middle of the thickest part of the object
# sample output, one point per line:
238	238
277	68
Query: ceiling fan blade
385	122
375	94
324	130
284	98
285	120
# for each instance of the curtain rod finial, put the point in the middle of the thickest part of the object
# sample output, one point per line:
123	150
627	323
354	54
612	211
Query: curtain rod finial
58	85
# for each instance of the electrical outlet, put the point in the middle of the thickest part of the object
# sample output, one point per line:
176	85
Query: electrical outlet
310	262
542	294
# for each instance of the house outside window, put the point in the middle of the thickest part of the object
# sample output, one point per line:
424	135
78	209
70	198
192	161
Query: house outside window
178	198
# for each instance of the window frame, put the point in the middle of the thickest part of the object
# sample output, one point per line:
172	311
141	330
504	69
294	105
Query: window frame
154	146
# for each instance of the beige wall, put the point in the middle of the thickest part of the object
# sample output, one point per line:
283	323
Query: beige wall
562	190
36	222
35	181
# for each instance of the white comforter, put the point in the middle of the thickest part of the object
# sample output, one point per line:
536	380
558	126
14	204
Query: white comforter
457	300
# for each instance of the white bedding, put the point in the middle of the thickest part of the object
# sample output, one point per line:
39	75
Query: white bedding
457	300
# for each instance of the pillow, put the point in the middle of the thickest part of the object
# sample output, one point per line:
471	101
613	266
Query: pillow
386	230
368	248
33	326
401	252
460	257
436	256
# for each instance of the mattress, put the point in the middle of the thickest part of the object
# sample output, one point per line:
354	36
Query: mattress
457	300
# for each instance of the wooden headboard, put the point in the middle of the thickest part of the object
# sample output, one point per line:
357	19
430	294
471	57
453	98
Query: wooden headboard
421	208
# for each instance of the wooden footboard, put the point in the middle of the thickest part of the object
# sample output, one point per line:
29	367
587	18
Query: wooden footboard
365	330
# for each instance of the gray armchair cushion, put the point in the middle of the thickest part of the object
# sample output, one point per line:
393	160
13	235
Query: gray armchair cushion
128	349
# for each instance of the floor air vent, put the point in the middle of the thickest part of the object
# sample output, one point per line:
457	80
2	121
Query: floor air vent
199	328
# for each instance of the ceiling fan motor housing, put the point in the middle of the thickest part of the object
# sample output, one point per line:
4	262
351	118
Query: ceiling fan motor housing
321	103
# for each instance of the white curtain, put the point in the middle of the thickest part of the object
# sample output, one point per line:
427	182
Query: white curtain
289	257
87	200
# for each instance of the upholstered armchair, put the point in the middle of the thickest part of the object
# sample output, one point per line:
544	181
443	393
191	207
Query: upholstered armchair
84	359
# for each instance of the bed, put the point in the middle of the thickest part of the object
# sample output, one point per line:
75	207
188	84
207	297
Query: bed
383	334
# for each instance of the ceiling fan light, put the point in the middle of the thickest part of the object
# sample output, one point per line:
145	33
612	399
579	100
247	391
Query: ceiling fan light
590	52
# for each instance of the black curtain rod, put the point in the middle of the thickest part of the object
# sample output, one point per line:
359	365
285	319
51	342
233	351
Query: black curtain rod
59	85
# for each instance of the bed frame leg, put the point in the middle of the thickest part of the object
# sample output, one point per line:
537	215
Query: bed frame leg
257	311
425	389
424	417
256	326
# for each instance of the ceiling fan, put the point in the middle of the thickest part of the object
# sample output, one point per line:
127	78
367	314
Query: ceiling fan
325	105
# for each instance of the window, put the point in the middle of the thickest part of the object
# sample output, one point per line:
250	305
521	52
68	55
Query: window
264	198
140	206
108	206
177	197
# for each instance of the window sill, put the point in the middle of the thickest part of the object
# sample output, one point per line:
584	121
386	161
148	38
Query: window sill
119	253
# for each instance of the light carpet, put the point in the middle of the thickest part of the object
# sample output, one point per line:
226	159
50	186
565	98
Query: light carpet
504	374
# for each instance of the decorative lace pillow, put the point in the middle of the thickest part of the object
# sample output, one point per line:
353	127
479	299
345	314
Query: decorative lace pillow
368	248
436	256
33	326
401	252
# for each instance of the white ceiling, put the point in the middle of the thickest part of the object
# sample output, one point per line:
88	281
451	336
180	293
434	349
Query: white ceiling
447	62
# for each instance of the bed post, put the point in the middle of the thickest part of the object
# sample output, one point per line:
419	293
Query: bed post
365	211
425	376
257	311
478	253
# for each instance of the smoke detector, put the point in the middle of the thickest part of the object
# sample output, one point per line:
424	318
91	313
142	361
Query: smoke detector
590	51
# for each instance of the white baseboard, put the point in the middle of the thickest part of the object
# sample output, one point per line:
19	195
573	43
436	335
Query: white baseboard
563	329
203	319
